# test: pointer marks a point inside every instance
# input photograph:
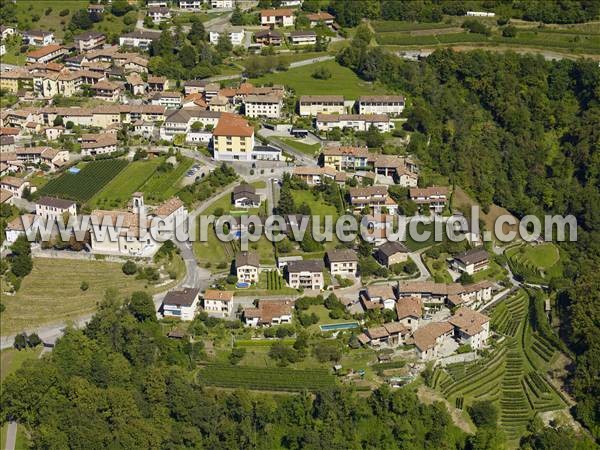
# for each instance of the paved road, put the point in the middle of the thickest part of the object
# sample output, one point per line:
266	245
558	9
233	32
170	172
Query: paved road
424	272
11	436
307	62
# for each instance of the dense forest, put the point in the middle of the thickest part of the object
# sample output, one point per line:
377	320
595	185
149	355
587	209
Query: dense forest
350	13
523	133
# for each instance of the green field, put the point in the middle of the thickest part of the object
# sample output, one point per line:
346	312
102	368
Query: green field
308	149
512	375
317	205
27	10
117	193
268	379
386	26
84	185
51	292
11	359
141	176
343	81
535	263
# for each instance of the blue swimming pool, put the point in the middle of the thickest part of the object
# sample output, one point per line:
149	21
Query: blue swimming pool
242	285
339	326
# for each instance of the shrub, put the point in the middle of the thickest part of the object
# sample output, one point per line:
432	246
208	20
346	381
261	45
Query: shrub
84	286
64	12
509	31
322	73
236	355
483	413
20	341
33	340
129	268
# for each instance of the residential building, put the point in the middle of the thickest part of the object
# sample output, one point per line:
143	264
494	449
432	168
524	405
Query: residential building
38	38
453	294
220	104
180	121
267	106
429	338
233	139
269	312
139	39
16	186
312	105
222	4
157	84
480	14
89	41
356	122
190	4
46	54
181	304
277	17
392	105
391	252
268	37
375	198
109	91
306	274
218	303
245	196
159	14
471	261
435	197
409	312
302	38
234	34
470	327
194	86
170	100
95	9
346	158
52	207
98	144
247	267
378	296
6	31
396	168
320	17
135	84
157	3
19	226
342	262
389	334
314	175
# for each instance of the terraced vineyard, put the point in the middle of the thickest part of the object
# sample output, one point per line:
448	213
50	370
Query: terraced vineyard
269	379
512	376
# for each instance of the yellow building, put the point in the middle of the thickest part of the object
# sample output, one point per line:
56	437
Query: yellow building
233	139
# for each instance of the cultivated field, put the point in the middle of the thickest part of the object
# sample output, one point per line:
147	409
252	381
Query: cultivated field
82	186
512	376
52	292
268	379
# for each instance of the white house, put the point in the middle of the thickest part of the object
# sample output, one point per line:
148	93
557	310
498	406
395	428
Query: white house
392	105
303	38
245	196
170	100
181	304
190	4
15	185
357	122
38	38
247	267
98	144
306	274
218	303
268	106
139	39
311	105
409	311
281	17
51	207
159	14
19	226
378	296
235	35
471	261
342	262
429	338
221	4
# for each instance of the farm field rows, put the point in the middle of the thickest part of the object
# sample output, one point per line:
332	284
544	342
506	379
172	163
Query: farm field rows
84	185
270	379
511	376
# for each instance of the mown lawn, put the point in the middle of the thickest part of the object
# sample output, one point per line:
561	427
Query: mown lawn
307	149
343	81
162	186
51	292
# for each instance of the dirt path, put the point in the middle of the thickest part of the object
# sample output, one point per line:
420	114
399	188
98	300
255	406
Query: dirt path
428	396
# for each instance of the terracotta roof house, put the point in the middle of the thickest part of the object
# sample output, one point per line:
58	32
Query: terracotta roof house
218	303
428	338
269	312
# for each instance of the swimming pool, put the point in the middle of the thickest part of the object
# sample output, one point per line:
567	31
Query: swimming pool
242	285
339	326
